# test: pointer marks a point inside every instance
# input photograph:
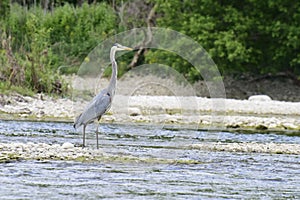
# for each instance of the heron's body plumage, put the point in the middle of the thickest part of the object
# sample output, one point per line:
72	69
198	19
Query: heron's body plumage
102	102
95	109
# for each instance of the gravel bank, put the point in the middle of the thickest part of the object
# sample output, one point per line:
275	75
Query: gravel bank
273	148
42	151
254	114
67	151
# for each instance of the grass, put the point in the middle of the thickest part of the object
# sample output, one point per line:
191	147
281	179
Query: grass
7	89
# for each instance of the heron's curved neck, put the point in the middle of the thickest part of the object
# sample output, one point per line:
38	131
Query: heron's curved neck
113	79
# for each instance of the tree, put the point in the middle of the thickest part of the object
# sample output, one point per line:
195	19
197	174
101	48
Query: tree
250	36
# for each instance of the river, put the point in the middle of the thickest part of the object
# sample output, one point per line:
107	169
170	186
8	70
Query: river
214	175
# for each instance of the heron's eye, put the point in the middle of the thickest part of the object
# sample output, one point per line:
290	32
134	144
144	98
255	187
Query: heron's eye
108	94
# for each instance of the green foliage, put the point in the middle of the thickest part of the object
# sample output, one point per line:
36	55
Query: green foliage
39	41
6	88
75	31
4	9
38	44
38	58
250	36
174	61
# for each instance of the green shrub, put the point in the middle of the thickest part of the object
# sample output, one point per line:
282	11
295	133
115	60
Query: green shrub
76	31
37	46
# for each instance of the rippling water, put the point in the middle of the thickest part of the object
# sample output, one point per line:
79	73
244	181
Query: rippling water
218	175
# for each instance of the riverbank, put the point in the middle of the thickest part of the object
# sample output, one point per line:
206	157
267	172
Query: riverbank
257	113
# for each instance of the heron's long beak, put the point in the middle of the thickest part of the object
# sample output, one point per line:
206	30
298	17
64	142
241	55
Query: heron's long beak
121	47
128	49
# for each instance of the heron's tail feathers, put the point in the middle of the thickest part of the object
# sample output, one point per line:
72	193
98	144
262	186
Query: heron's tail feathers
77	122
75	126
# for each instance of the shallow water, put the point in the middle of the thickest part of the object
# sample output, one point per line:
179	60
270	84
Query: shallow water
217	175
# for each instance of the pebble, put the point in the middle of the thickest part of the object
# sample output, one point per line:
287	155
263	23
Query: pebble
134	111
259	98
67	145
290	126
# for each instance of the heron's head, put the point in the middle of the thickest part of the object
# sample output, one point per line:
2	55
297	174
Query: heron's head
121	47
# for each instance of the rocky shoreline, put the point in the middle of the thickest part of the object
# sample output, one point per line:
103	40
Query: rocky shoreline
67	151
257	113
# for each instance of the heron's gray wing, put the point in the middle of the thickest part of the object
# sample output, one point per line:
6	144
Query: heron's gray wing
102	102
98	106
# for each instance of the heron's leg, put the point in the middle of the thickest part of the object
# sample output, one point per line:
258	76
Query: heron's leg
83	140
97	135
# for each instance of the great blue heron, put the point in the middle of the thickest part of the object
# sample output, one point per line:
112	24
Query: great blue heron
102	102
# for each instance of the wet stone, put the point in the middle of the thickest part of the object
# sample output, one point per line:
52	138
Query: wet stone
67	145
